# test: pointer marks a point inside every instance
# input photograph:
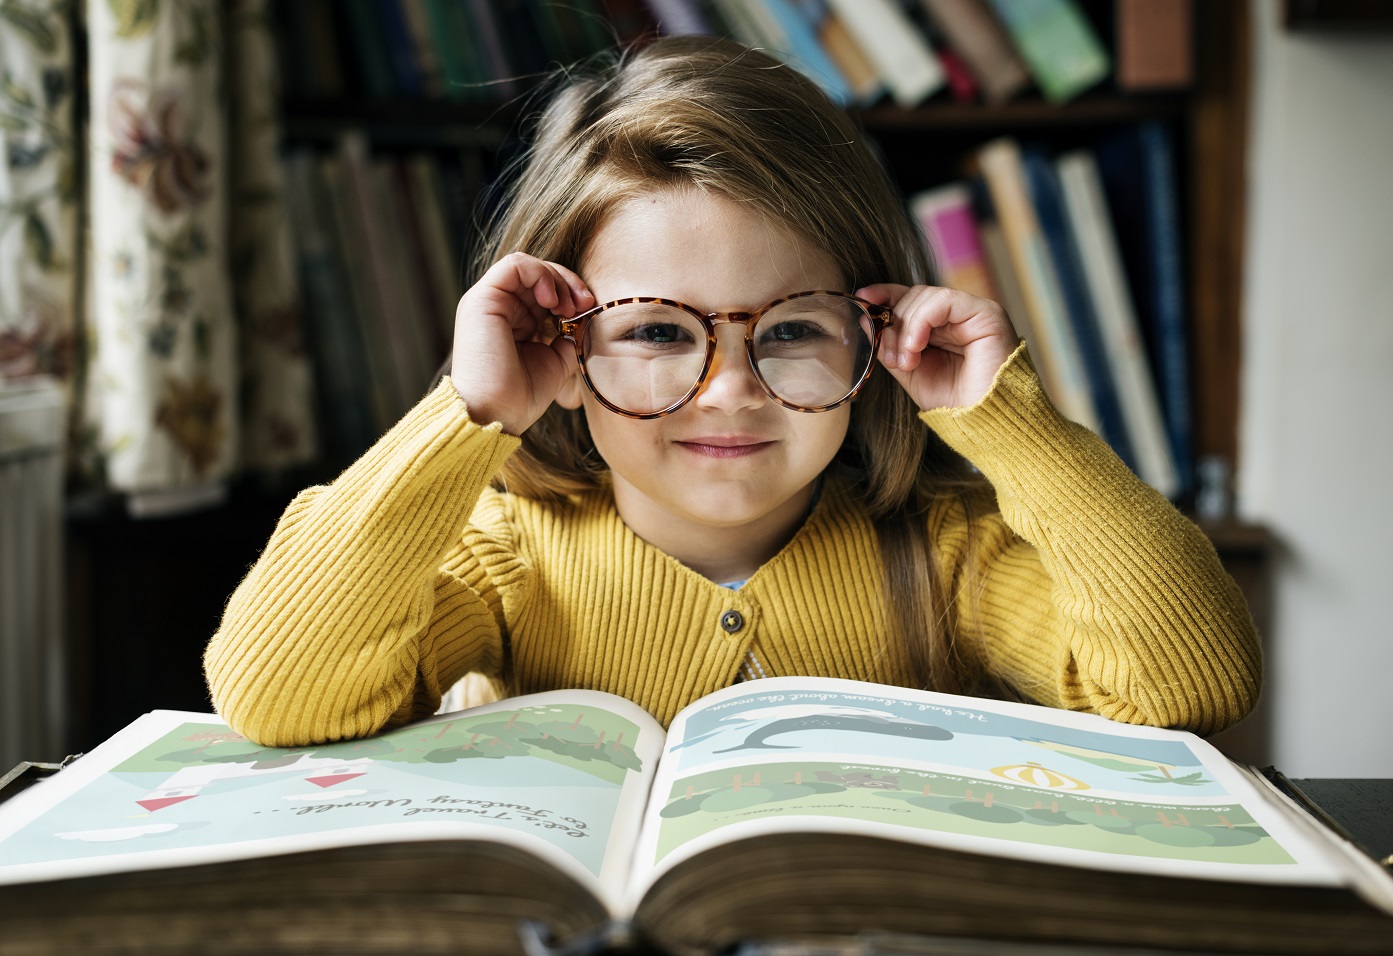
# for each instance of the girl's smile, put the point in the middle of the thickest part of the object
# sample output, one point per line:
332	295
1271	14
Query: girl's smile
725	446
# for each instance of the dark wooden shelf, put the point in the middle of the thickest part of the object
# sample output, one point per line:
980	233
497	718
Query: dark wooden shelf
1025	114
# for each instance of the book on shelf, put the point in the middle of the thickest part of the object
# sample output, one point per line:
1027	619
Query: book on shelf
949	224
336	337
903	60
1055	350
1101	264
783	27
1058	43
842	49
1042	183
1137	167
781	809
1153	44
970	28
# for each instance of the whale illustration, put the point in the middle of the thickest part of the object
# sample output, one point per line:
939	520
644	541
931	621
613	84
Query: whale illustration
864	725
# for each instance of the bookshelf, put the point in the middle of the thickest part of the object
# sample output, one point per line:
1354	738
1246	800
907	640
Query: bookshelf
923	145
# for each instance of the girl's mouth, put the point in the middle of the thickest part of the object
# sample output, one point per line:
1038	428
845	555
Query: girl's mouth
725	447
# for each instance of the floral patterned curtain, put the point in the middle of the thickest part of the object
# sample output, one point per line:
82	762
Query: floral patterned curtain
162	382
39	248
176	324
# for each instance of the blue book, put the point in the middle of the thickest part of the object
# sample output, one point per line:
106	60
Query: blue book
401	50
1050	210
805	51
1137	168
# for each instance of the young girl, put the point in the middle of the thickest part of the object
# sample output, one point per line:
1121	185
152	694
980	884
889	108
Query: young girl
669	496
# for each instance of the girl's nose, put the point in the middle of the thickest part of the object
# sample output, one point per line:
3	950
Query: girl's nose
730	385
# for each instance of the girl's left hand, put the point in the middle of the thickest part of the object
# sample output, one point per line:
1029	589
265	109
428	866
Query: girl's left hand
944	346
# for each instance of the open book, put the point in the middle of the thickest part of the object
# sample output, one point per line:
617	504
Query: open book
777	812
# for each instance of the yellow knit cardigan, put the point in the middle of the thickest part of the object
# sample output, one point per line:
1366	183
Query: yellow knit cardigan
1087	590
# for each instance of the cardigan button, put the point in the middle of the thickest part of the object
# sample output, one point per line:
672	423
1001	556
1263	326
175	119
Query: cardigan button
732	621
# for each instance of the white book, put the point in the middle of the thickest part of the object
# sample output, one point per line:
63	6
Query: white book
1004	171
907	65
1091	227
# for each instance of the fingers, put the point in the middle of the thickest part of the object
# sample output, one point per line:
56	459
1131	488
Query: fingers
926	316
549	286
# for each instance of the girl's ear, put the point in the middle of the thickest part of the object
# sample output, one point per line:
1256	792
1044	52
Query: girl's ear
572	392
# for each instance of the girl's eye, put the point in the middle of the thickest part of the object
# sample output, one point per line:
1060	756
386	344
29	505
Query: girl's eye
790	332
658	333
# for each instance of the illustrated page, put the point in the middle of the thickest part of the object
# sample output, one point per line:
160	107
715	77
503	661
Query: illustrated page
986	776
564	774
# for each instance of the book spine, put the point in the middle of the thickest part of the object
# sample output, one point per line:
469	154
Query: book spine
486	29
442	254
843	50
1058	43
678	17
796	37
903	59
367	240
450	36
1154	44
1168	290
1078	308
950	228
1118	325
970	28
1003	169
401	49
369	47
423	48
340	359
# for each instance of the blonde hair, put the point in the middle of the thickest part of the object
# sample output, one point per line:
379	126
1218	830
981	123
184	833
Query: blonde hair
711	114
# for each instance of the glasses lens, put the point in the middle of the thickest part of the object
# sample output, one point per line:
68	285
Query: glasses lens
643	356
813	350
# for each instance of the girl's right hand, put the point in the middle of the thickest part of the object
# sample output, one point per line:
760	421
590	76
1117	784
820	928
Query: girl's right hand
508	362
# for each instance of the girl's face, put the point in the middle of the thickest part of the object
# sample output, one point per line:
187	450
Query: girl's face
731	459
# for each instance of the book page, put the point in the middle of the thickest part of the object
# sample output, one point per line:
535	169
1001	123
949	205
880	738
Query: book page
1016	780
562	774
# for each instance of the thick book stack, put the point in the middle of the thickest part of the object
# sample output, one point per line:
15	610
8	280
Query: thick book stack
380	240
859	51
1083	248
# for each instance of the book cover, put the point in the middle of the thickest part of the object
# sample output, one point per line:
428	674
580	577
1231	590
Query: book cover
1101	261
1003	169
1058	43
1045	193
679	17
971	29
903	60
784	808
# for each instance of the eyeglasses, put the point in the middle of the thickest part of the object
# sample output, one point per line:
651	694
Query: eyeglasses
645	357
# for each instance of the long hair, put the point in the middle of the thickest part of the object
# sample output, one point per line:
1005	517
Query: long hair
711	114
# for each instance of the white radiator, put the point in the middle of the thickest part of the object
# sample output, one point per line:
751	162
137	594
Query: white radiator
32	659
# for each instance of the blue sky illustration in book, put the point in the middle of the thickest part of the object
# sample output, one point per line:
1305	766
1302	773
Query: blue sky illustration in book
554	771
953	739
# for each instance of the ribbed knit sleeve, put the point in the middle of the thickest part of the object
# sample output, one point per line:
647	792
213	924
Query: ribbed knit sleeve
1090	591
330	634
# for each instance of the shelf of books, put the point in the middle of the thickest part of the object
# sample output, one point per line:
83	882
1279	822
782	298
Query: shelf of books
1066	157
1041	147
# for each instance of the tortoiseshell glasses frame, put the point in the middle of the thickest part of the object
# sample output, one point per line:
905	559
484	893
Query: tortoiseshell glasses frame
877	317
